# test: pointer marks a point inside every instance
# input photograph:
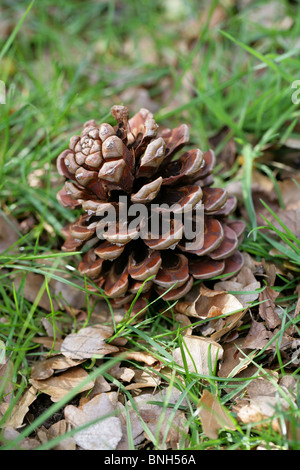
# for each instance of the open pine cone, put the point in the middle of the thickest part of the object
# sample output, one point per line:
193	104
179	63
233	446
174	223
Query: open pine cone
132	159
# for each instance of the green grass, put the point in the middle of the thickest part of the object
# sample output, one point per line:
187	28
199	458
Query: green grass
66	62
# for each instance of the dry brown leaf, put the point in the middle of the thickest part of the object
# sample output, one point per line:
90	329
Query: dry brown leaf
63	295
272	14
228	154
262	189
170	427
212	303
197	350
19	411
101	385
262	401
139	356
206	303
88	342
125	374
267	308
296	352
44	369
57	429
213	415
49	328
234	361
119	341
102	314
27	443
33	284
8	232
188	305
137	97
68	289
262	386
244	281
102	435
3	408
68	294
262	408
144	378
136	427
184	324
290	192
58	386
257	337
224	325
49	342
297	308
6	380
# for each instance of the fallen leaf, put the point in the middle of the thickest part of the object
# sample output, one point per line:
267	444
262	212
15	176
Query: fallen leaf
49	328
144	378
257	337
262	401
245	281
224	325
197	351
202	302
44	369
184	323
6	380
137	97
102	435
101	385
68	294
260	412
49	342
262	189
27	443
19	411
270	271
136	427
102	314
295	352
58	429
267	308
138	356
263	386
272	14
234	360
63	295
290	192
297	308
214	303
213	415
205	303
32	286
169	426
58	386
88	342
121	373
8	232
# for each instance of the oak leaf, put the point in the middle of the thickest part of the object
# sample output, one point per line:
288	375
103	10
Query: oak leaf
213	415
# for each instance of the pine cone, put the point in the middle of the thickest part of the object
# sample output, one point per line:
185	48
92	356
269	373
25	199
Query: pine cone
133	160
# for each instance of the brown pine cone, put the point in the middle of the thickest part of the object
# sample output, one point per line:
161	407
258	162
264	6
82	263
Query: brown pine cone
110	167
